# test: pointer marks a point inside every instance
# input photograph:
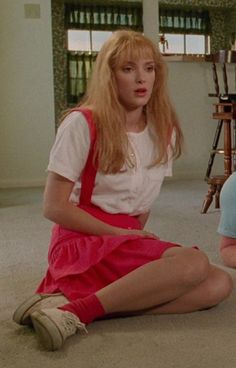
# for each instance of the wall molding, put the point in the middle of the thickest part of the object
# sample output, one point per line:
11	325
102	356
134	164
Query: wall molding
24	183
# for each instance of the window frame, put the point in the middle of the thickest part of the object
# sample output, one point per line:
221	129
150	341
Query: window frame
172	21
207	44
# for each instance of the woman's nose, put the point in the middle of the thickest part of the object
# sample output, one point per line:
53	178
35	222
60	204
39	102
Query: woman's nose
140	78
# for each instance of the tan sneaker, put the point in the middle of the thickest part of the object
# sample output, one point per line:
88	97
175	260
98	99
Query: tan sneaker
37	302
54	326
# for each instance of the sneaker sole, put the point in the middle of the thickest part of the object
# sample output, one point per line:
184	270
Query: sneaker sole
47	331
21	315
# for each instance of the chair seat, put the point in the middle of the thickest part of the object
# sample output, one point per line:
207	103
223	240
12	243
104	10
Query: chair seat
225	111
216	180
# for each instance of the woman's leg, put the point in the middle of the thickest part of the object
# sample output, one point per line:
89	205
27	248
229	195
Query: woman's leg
182	276
209	293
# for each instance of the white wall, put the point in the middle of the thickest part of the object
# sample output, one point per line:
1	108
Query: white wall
189	85
27	113
26	89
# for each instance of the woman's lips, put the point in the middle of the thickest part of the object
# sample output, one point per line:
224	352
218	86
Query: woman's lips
140	91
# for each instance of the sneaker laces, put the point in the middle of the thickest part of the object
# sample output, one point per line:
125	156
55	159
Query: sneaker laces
71	324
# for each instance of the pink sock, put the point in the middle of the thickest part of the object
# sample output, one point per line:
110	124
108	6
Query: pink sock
87	309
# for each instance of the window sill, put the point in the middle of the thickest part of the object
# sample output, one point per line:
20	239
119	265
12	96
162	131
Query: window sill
187	58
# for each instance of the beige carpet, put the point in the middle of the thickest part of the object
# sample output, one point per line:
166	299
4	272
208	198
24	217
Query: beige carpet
197	340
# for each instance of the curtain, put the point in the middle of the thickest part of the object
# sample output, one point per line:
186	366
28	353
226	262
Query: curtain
184	21
99	16
80	65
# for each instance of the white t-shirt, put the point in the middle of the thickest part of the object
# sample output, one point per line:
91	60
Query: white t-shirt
132	191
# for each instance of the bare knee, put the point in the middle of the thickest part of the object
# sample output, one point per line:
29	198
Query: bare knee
226	285
220	286
195	266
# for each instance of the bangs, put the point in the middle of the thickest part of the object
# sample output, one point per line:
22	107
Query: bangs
132	50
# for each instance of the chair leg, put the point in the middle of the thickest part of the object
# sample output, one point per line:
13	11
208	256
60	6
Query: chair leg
213	148
217	196
209	198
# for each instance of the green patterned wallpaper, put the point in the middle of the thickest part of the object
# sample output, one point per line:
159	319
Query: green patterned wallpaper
59	58
223	24
201	3
222	16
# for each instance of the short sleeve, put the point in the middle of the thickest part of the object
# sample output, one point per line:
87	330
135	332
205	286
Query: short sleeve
71	147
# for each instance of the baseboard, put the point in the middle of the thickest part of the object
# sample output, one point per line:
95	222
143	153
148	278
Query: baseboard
28	183
24	183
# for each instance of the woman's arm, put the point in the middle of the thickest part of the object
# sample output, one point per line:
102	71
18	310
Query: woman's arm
143	218
57	208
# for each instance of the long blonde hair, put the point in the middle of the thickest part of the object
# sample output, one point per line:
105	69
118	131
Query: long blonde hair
109	115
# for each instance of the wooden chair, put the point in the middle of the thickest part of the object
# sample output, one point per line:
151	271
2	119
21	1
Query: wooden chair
219	61
225	114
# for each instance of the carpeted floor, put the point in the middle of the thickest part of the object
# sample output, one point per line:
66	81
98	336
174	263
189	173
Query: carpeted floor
198	340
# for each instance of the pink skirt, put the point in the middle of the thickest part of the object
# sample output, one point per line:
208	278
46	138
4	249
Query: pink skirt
80	264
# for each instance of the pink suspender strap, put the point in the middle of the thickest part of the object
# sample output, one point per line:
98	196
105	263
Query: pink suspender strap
89	171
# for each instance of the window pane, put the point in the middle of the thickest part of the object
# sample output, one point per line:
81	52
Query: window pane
175	43
78	40
195	44
98	39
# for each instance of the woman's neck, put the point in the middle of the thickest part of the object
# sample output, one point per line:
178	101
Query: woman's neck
135	121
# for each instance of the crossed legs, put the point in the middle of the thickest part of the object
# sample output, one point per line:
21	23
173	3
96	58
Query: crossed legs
181	281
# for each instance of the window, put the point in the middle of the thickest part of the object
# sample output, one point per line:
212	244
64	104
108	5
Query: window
83	46
184	31
83	40
171	43
89	23
78	40
197	44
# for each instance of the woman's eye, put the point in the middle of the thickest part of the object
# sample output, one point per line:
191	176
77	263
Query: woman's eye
150	68
127	69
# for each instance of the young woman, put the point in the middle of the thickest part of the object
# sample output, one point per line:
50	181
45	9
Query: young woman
106	168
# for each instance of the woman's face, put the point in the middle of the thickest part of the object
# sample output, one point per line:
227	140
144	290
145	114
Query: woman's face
135	80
